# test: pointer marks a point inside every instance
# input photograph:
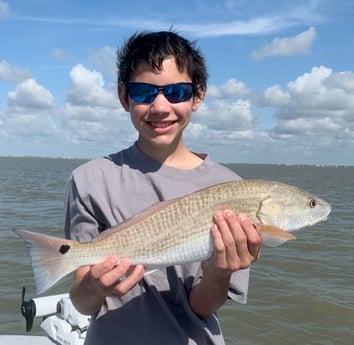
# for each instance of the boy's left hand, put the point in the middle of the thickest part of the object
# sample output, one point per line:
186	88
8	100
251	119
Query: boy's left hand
237	244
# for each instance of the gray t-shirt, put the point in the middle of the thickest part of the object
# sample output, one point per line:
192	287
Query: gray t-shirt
106	191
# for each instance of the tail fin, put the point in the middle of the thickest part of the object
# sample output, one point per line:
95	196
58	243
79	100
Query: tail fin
47	259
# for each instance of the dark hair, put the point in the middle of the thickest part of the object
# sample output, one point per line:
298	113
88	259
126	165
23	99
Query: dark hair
153	48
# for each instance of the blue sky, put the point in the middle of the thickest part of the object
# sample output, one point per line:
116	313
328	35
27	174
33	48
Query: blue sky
281	85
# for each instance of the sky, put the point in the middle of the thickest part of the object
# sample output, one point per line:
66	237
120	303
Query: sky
280	87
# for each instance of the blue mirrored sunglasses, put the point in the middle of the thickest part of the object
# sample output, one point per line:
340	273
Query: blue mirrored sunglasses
146	93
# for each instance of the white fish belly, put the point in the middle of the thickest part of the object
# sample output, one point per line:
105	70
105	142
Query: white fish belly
197	248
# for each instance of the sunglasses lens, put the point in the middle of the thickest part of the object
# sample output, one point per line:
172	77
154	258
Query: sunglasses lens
146	93
141	92
180	92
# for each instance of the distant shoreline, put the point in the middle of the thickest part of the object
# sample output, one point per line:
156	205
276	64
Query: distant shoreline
44	157
226	164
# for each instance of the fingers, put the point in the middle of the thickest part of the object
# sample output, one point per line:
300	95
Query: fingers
130	280
236	241
253	238
226	248
113	277
98	271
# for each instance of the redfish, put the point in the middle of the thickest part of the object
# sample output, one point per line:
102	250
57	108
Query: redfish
177	231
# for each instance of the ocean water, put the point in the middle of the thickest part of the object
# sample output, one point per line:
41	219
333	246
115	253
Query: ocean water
300	293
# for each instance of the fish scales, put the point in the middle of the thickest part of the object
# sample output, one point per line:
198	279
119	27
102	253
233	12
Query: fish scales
163	234
158	239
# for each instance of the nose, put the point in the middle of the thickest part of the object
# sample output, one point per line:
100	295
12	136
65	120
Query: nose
161	103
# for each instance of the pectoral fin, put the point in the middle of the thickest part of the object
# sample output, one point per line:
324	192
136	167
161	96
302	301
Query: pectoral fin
273	236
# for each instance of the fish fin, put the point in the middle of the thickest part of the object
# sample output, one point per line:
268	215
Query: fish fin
273	236
50	258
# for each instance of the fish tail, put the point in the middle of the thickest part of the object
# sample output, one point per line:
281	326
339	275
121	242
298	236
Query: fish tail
48	259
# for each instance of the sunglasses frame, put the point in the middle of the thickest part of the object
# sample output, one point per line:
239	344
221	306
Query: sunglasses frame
153	90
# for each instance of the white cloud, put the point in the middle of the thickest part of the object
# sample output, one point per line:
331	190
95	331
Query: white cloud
315	94
232	88
105	60
303	127
279	17
274	96
92	113
29	125
87	89
11	73
29	94
4	10
90	117
310	82
30	114
213	92
341	80
316	107
223	115
297	45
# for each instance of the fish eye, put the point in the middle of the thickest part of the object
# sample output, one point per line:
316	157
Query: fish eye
313	203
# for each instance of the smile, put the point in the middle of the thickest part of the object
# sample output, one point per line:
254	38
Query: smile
163	124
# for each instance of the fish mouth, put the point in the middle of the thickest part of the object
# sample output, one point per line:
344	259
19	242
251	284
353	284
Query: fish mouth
325	216
329	210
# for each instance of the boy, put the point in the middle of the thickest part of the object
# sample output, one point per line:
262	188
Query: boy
161	81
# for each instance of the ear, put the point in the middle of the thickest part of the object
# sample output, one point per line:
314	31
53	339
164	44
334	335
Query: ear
198	99
123	97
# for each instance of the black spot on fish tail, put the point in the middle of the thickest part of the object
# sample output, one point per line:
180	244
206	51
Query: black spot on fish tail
64	249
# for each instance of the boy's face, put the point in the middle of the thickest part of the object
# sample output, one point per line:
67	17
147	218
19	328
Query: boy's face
160	124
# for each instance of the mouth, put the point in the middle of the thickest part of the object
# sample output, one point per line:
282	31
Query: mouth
160	124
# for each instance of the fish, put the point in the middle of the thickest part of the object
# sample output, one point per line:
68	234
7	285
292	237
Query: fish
177	231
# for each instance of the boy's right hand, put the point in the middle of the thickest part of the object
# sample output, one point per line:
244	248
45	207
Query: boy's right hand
112	278
109	278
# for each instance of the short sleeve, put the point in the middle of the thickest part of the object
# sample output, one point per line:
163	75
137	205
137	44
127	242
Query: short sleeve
239	286
80	224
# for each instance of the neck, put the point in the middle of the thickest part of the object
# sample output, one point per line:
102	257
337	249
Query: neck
176	156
